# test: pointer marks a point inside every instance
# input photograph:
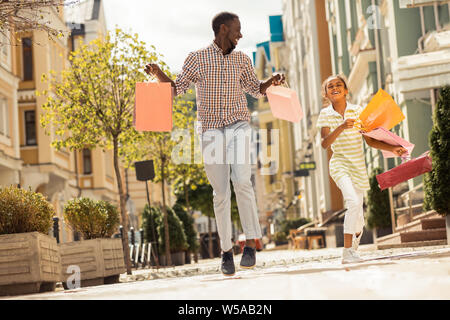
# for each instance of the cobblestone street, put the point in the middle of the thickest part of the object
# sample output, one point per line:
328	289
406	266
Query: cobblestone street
408	273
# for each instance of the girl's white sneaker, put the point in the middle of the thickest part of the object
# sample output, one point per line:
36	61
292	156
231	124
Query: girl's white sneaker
349	255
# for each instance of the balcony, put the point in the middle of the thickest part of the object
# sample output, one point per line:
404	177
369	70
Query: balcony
423	71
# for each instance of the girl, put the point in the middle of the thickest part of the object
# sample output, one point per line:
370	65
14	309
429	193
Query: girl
347	165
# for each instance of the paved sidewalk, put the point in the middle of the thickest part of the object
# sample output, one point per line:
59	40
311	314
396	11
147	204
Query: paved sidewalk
268	259
419	273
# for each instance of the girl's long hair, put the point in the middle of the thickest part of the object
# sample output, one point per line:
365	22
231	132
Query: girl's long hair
326	101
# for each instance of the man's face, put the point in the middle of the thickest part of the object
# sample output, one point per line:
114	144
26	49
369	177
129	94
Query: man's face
233	33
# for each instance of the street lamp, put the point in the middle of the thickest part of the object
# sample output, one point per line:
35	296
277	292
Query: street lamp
145	171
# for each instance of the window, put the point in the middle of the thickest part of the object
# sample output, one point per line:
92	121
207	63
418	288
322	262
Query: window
4	117
5	47
30	128
27	54
87	161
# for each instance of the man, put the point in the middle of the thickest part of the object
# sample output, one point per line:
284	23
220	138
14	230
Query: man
221	76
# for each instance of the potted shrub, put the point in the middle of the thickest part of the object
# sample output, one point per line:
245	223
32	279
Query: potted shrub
378	208
437	182
178	243
150	218
30	261
99	257
188	226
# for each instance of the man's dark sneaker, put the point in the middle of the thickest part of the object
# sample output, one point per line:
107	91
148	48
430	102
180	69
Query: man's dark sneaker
228	268
248	260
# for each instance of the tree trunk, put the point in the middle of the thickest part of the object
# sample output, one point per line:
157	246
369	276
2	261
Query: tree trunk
166	220
210	244
123	211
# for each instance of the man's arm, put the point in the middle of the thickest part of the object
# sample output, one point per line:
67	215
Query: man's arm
252	85
188	74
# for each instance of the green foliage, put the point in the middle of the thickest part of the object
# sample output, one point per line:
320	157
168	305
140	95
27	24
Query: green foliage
188	225
177	235
378	204
24	211
92	103
150	215
280	236
93	219
437	182
287	225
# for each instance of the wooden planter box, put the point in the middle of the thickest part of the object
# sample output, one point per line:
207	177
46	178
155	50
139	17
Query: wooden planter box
29	263
101	261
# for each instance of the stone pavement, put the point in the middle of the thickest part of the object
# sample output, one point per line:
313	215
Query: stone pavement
410	274
267	259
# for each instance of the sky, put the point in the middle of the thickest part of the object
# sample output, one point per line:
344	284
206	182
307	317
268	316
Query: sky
178	27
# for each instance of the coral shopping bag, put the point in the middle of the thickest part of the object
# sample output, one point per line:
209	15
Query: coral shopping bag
284	103
388	137
382	111
153	106
405	171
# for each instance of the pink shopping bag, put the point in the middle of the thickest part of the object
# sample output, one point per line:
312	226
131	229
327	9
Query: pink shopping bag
153	107
388	137
284	103
405	171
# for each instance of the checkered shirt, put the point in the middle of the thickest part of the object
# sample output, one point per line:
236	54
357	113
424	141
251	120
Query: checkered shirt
220	82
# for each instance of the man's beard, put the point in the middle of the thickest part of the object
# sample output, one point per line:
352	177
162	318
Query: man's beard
232	47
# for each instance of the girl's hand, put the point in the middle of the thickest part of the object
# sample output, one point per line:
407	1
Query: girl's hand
348	124
399	151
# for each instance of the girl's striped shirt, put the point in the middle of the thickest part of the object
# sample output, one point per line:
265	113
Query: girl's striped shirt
348	152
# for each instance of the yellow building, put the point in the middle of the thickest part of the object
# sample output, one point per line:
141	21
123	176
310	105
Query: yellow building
26	155
10	163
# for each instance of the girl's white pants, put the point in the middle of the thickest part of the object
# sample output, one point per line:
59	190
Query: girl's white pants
353	198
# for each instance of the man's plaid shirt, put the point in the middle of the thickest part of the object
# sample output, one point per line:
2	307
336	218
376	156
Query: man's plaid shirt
220	81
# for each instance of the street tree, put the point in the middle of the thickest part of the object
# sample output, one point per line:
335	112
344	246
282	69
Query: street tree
27	15
90	105
162	148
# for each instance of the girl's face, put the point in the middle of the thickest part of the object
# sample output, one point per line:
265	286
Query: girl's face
336	90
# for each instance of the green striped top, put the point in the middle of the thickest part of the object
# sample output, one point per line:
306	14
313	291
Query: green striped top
348	152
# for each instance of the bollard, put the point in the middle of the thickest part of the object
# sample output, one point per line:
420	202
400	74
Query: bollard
132	236
56	228
121	231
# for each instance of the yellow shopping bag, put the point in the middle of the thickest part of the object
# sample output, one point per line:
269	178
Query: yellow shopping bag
382	111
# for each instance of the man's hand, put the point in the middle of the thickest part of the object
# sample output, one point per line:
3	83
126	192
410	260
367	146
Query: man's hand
278	79
152	69
275	80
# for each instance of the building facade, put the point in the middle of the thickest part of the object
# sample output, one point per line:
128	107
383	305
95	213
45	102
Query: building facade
276	187
27	158
401	46
309	64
